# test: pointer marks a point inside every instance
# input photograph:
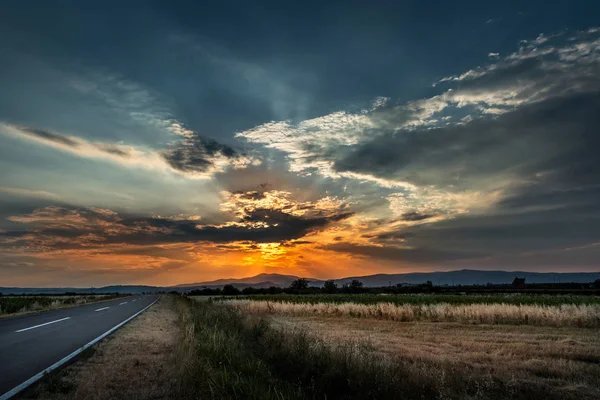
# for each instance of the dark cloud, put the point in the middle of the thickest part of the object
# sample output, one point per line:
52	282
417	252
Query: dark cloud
197	154
393	236
46	135
281	227
558	135
114	150
86	228
72	143
416	216
516	234
420	255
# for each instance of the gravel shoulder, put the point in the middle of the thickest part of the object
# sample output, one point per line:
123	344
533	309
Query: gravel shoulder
136	362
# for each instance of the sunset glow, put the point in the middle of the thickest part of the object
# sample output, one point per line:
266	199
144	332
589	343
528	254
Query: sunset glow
187	154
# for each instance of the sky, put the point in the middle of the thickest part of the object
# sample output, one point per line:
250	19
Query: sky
169	142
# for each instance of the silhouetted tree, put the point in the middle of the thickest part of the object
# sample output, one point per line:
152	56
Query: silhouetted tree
273	290
330	287
299	284
249	290
230	290
355	286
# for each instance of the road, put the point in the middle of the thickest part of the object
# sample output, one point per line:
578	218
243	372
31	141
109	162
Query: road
30	344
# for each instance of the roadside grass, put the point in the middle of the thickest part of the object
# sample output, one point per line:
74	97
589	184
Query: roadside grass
22	304
232	355
574	315
216	361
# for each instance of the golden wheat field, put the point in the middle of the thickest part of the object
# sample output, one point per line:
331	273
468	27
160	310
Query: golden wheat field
525	349
585	315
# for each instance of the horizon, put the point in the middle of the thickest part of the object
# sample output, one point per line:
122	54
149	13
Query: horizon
159	145
209	282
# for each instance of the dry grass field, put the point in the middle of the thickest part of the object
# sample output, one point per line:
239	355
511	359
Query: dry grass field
584	315
565	361
495	350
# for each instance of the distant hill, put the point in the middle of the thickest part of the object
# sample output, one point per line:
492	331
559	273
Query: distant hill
471	277
451	278
261	279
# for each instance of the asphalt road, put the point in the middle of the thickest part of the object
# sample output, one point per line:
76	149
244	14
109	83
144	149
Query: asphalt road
31	343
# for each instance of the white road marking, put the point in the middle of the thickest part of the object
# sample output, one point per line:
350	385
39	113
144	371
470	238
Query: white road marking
103	308
123	303
57	364
37	326
134	299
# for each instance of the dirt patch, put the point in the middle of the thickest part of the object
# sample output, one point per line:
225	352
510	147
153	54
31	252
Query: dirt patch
137	362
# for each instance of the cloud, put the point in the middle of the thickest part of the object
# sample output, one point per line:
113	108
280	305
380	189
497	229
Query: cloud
407	255
440	161
273	218
308	142
512	146
544	68
541	70
500	162
49	136
132	103
193	156
42	194
416	216
196	155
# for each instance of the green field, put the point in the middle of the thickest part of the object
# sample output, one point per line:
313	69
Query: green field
422	299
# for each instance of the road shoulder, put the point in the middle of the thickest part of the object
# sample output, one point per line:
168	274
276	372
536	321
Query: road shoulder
137	361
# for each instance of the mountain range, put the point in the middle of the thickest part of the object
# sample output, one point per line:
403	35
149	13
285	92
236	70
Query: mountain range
451	278
458	277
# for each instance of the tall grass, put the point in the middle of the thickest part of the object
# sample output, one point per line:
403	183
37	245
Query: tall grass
215	361
587	316
231	355
417	299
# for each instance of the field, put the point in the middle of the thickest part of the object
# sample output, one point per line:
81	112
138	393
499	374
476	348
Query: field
426	299
401	346
583	315
344	347
21	304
